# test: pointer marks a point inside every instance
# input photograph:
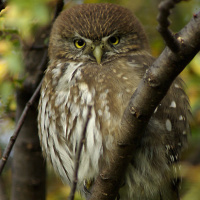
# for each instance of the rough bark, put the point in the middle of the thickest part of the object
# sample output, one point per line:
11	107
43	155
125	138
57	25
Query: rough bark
28	167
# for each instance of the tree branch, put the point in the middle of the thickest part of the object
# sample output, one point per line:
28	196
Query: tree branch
149	93
164	8
59	6
18	128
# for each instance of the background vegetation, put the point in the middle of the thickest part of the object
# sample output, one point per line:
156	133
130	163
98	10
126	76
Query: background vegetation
21	19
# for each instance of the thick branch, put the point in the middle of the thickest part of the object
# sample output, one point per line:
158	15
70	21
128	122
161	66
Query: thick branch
150	92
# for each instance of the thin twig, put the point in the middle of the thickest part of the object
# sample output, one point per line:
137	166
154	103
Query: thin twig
13	138
78	155
18	128
164	8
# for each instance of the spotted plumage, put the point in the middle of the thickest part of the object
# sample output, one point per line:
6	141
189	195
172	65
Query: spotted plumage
98	55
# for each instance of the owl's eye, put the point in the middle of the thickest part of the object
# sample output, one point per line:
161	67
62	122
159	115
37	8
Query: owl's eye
79	43
114	40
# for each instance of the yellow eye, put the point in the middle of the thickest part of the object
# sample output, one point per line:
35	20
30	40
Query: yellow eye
79	43
114	40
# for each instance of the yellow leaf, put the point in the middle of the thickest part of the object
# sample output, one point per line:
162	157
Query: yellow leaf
5	47
13	106
3	69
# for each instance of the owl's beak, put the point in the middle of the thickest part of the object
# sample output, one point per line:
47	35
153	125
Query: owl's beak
98	52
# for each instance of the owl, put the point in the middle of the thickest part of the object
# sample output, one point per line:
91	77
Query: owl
98	55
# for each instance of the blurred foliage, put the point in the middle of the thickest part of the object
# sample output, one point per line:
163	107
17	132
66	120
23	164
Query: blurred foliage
21	19
57	190
192	185
18	21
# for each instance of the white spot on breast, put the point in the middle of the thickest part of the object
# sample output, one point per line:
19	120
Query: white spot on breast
106	113
100	112
59	64
93	92
184	132
109	141
124	77
100	80
168	125
128	90
114	70
56	71
119	75
85	94
83	86
103	96
173	104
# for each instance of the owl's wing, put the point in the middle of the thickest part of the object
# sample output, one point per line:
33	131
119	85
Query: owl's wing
174	111
164	139
174	114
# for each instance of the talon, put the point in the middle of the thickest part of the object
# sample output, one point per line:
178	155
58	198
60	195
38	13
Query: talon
87	185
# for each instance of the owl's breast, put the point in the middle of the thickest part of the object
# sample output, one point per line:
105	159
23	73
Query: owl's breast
66	96
113	82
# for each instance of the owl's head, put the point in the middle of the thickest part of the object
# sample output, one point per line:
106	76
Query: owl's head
96	33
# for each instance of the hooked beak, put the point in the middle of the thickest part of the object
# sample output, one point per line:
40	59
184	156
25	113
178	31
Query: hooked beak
98	52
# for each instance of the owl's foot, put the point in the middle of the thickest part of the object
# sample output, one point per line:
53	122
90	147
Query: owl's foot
87	185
